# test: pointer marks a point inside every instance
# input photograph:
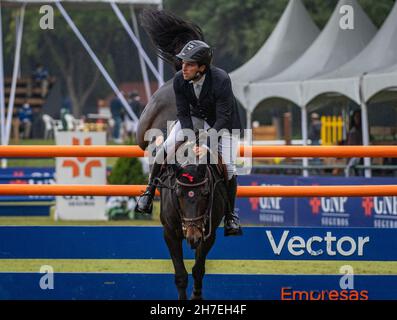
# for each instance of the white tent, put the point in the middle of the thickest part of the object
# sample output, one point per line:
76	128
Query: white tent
380	80
293	34
347	80
380	53
332	48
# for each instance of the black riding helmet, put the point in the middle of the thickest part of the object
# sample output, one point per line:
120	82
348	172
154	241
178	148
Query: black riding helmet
196	51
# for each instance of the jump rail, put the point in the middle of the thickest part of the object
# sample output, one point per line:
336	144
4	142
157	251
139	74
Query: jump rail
243	191
41	151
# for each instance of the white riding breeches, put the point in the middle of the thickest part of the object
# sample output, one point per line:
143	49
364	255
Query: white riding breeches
227	146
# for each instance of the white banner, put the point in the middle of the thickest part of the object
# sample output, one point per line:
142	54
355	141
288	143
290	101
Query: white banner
80	171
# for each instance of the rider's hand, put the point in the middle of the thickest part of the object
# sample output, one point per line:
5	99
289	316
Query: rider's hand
200	151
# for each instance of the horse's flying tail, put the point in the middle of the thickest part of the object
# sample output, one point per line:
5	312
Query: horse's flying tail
169	33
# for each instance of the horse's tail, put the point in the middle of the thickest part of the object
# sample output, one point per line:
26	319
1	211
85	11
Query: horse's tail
169	33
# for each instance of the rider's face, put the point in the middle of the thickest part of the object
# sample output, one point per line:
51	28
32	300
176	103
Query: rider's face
190	69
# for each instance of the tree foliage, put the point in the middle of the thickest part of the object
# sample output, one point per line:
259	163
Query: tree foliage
236	28
127	171
65	57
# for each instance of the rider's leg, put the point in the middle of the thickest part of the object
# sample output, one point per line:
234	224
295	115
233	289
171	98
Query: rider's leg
228	149
145	201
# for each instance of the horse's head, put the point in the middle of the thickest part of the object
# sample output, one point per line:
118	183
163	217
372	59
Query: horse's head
193	201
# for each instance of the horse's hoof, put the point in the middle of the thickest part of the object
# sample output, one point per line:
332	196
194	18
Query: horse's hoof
196	297
233	232
182	296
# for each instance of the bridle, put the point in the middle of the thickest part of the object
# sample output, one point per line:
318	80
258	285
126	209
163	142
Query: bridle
201	221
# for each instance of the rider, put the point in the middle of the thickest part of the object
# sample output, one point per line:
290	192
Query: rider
204	100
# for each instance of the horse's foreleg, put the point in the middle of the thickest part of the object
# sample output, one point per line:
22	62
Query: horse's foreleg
198	270
181	277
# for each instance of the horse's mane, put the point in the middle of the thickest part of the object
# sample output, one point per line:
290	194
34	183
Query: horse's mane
169	33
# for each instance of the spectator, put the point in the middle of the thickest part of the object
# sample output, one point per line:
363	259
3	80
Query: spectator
66	108
40	79
15	124
136	107
37	123
116	108
315	129
25	118
134	101
354	137
315	136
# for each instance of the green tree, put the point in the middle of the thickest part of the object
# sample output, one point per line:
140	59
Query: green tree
127	171
64	55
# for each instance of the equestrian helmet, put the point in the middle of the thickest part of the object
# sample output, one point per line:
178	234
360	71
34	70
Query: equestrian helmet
196	51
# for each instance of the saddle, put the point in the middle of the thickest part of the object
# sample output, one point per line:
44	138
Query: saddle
219	167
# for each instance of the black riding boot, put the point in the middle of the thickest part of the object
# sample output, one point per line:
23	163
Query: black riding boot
232	221
145	201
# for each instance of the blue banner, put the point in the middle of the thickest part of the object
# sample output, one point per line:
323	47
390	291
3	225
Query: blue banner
271	211
111	286
26	205
378	212
28	175
257	243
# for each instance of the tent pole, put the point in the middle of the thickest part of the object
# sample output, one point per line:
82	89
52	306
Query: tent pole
96	61
160	67
2	101
248	108
141	60
160	62
364	127
249	119
136	41
365	130
17	59
305	161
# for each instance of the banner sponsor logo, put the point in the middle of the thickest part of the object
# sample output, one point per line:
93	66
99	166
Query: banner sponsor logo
81	170
322	244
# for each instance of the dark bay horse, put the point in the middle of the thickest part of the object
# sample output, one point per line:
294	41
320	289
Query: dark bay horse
193	197
193	203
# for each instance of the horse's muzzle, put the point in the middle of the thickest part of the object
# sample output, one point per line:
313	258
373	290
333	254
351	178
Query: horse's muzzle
194	236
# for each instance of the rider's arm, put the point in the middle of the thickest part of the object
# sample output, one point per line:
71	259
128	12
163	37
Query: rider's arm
182	106
224	105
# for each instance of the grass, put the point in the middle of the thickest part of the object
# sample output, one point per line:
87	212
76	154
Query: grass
50	220
212	266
